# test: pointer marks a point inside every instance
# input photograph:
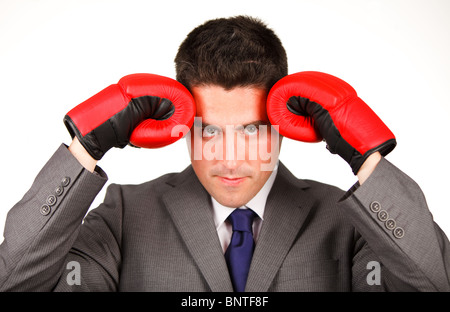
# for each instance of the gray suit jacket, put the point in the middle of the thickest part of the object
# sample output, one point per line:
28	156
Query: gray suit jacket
160	235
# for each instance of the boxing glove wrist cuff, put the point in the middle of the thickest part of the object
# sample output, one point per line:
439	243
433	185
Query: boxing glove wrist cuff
95	153
115	131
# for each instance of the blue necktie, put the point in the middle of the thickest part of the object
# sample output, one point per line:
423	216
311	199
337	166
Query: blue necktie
239	252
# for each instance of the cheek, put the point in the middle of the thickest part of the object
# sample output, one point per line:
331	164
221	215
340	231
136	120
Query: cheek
201	170
204	148
195	145
263	147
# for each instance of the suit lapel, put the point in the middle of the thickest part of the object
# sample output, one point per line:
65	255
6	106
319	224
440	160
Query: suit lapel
189	206
283	218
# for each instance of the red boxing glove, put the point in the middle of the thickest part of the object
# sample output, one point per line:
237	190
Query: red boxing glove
140	110
311	106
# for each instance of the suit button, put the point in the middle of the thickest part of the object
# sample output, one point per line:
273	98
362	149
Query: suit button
59	190
390	224
375	206
398	232
65	181
383	215
45	210
51	200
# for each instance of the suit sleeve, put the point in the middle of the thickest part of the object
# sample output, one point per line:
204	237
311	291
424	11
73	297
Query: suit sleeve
97	249
390	212
42	227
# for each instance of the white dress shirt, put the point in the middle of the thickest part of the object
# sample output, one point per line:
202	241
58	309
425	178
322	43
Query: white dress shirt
257	204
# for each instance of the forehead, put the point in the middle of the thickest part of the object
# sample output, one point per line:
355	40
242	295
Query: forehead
240	105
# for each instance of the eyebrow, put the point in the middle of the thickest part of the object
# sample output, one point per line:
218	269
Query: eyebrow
255	123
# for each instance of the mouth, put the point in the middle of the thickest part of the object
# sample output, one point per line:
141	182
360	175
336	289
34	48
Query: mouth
232	181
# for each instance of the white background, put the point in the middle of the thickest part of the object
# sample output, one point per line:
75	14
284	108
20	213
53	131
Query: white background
55	54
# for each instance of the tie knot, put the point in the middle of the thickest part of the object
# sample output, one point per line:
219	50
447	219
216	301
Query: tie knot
242	219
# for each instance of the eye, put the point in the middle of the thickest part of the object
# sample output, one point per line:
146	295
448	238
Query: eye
251	130
210	131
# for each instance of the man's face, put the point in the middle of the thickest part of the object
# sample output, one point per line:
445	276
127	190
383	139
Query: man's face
232	146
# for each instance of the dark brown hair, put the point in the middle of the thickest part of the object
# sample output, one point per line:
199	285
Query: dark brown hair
231	52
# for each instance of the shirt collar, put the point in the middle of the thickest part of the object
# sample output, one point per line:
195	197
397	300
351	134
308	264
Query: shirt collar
257	203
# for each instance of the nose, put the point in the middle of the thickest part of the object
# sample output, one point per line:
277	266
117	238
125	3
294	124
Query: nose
233	149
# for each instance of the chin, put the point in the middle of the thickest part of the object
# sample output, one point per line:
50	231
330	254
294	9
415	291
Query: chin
232	202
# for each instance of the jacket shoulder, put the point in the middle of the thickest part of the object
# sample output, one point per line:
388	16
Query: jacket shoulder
155	186
312	187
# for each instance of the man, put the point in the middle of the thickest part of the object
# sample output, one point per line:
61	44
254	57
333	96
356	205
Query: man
180	232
